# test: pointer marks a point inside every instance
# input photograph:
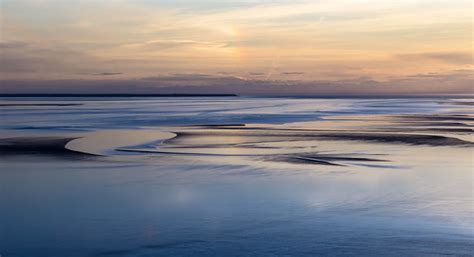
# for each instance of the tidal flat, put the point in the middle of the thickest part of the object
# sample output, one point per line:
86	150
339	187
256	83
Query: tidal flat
236	176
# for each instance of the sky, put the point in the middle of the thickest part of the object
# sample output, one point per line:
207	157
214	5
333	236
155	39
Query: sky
254	47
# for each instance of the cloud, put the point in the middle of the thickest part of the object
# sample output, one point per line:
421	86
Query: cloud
455	82
12	45
161	44
73	40
108	73
192	79
35	60
180	77
446	57
292	73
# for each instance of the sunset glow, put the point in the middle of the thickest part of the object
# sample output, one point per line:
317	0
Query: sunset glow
401	46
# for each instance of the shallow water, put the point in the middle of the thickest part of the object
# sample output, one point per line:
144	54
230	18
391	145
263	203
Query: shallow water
150	177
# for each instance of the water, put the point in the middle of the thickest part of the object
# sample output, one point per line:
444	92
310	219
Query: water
303	177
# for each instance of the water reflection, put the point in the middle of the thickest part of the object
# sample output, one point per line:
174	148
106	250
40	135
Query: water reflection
417	202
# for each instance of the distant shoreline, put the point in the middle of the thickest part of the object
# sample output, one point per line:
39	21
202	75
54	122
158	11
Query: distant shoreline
322	96
118	95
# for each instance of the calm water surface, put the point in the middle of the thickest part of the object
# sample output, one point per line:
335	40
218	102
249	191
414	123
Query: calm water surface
236	191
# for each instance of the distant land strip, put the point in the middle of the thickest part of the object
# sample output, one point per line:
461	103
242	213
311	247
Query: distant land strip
117	95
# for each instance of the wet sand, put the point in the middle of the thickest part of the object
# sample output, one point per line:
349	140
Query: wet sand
35	145
217	140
